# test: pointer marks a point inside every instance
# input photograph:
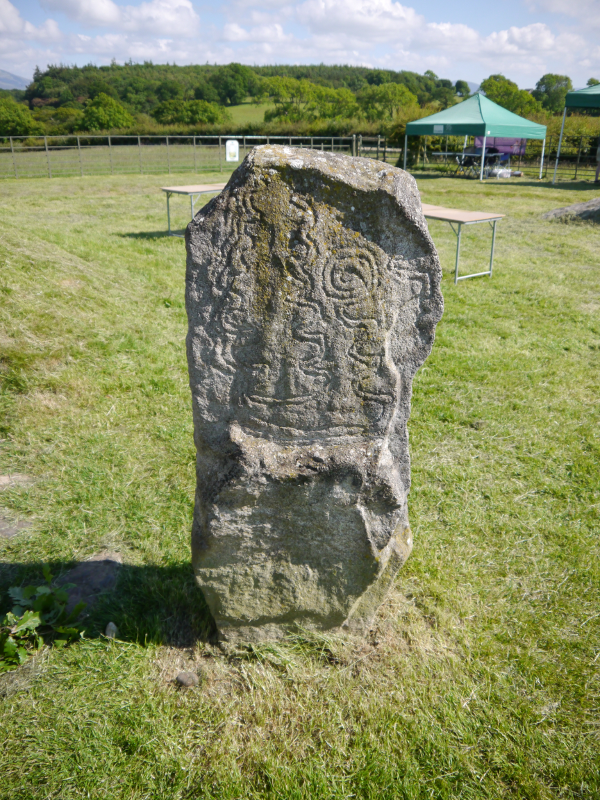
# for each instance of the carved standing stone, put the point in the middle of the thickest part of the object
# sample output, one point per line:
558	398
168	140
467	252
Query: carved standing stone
312	297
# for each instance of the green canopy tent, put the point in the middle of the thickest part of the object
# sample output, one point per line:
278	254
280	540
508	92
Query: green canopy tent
476	116
582	98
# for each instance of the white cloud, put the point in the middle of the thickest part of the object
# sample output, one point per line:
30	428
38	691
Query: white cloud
364	20
12	24
271	34
384	33
585	12
158	17
87	12
10	19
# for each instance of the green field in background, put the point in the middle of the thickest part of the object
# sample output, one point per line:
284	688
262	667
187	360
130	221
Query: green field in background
249	113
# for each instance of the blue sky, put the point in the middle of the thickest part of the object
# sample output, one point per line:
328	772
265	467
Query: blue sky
523	39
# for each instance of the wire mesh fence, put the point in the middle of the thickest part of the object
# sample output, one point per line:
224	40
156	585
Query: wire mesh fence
63	156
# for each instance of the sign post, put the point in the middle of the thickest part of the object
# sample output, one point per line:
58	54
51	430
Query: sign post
232	150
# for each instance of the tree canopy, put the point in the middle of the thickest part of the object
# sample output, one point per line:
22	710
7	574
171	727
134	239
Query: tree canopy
190	112
16	119
507	94
104	113
551	91
63	99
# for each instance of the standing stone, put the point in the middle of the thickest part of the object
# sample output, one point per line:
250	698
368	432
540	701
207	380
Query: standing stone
312	297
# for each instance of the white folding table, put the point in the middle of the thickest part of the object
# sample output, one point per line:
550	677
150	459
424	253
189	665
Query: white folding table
193	193
456	216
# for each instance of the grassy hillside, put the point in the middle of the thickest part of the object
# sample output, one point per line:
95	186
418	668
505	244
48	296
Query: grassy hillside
481	677
248	113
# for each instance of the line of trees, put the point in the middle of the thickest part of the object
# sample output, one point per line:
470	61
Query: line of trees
68	99
148	98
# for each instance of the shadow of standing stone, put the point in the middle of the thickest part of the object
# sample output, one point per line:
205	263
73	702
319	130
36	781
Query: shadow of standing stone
92	579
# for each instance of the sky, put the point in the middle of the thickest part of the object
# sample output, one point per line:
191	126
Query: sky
462	39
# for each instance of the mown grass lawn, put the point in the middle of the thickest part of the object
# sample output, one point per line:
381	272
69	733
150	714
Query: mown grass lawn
248	113
482	676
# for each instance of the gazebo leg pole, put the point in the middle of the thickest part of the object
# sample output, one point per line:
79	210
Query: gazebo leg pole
482	159
542	161
562	128
405	147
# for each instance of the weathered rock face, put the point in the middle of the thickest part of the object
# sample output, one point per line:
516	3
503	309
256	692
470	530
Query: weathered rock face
312	296
578	212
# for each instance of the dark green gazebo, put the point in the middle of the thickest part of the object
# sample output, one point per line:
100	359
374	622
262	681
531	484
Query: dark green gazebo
477	116
582	98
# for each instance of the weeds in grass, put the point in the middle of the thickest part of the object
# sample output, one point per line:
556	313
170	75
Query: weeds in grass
39	615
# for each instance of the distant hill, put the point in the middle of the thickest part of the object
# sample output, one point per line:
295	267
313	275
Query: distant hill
10	81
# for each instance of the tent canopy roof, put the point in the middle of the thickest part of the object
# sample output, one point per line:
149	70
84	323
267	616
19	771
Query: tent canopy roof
584	98
476	116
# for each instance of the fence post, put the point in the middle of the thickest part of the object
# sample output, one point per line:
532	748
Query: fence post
578	157
377	147
220	158
140	155
244	146
110	154
195	169
12	150
47	156
359	143
385	151
311	142
80	162
354	144
168	156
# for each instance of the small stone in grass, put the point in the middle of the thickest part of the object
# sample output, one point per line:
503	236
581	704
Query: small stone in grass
187	679
111	631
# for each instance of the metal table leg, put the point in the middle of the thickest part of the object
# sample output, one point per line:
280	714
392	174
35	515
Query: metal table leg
457	233
169	213
493	242
457	250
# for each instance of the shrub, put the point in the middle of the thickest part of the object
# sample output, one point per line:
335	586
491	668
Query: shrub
104	113
192	112
16	119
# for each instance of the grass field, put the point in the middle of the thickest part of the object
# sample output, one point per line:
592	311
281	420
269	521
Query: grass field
249	113
152	157
481	678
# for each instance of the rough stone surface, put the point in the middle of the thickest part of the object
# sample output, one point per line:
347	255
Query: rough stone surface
312	293
187	679
578	212
111	631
